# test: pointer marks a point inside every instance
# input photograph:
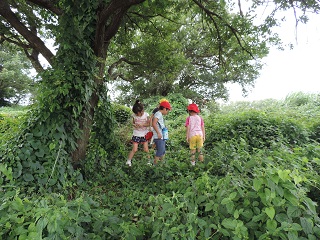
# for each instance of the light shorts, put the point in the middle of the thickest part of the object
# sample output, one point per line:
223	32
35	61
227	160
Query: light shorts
196	142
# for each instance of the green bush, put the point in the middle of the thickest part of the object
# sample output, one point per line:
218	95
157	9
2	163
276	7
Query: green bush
299	99
257	128
9	126
122	113
315	132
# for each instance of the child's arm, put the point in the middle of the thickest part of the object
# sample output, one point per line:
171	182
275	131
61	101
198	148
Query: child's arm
148	123
187	132
135	125
151	119
203	133
187	128
203	130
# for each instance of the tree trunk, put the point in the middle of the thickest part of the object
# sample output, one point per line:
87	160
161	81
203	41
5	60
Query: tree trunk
85	124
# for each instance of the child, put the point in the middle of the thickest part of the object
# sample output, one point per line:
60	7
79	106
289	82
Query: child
195	132
151	118
141	122
158	125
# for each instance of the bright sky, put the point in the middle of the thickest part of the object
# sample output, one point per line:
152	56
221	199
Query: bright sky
288	71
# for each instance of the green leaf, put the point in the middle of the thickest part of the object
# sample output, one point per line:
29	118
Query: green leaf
281	217
284	175
17	204
41	223
271	225
229	223
293	235
209	206
52	146
38	134
297	179
307	225
311	205
40	153
232	195
270	212
296	227
291	198
225	201
257	183
293	211
28	177
316	230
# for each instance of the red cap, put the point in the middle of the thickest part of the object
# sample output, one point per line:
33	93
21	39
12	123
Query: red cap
193	107
165	104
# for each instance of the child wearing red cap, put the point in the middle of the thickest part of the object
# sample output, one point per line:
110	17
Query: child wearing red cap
151	118
195	132
158	127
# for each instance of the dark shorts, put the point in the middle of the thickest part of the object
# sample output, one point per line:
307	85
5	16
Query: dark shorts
160	146
136	139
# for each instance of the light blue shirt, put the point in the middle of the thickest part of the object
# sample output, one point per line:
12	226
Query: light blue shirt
159	116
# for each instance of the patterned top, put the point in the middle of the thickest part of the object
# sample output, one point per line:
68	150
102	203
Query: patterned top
143	120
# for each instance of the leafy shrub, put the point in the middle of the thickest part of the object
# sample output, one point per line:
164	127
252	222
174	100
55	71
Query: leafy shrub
10	121
178	103
257	128
122	113
315	132
299	99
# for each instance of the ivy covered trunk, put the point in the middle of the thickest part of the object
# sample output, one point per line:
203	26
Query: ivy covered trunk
54	141
80	63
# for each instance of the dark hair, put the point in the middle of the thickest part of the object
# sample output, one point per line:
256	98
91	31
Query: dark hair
162	107
137	107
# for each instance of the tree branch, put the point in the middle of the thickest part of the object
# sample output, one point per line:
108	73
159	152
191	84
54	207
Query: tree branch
34	41
112	13
117	63
233	30
48	4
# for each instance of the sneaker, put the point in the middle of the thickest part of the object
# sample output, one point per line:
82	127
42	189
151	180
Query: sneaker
128	163
193	163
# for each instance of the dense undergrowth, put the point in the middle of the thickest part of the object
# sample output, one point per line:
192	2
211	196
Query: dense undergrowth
260	180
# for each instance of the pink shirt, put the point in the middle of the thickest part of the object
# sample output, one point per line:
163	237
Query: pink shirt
195	123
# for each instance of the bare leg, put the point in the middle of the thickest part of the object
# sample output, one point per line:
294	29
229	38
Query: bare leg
200	154
193	152
132	152
146	149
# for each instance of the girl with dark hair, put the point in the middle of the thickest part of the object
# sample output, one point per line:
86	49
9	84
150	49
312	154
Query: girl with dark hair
141	122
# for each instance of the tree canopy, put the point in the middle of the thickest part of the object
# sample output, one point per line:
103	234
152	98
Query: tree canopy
147	47
15	80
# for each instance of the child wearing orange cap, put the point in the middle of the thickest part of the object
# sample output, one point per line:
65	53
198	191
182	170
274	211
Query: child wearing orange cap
195	132
158	127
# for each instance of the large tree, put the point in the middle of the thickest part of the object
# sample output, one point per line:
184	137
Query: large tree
213	43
